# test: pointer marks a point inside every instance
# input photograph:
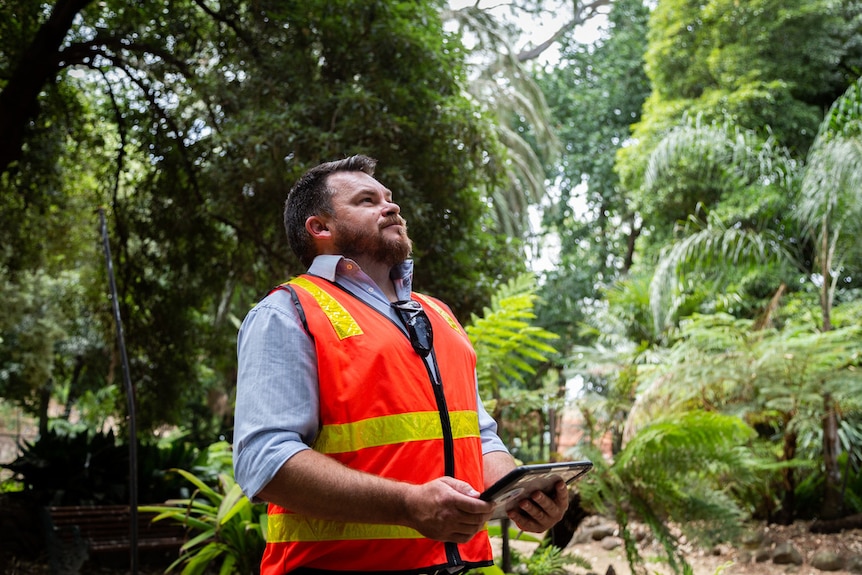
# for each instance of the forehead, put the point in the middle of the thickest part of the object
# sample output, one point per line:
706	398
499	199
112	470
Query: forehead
347	184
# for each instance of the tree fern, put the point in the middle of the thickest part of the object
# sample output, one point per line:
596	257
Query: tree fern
507	345
678	470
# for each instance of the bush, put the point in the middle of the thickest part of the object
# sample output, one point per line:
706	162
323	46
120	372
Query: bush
84	469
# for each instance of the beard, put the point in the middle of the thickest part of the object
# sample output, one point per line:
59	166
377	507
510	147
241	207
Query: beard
356	243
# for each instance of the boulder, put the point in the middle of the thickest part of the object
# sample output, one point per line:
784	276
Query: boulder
786	554
854	564
611	543
762	555
826	560
601	531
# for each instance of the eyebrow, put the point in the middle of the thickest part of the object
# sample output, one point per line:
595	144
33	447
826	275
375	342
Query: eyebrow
387	193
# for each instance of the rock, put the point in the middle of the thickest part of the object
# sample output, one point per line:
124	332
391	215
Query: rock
601	531
752	539
582	536
762	555
786	554
610	543
854	564
720	550
826	560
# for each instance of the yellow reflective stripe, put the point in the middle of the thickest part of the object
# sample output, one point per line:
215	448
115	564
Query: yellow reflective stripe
342	322
433	305
391	429
284	528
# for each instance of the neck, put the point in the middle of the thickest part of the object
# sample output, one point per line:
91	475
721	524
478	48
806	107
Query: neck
379	274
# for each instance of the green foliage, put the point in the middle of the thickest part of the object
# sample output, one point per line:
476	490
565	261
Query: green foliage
680	469
496	530
742	62
69	470
505	89
700	167
548	560
595	92
47	338
774	379
505	339
188	124
809	491
225	526
509	350
93	469
711	247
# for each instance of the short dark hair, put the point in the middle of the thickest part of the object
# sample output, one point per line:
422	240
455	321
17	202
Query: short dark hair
311	196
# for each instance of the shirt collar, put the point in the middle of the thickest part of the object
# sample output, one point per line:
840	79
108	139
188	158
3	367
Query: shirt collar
335	267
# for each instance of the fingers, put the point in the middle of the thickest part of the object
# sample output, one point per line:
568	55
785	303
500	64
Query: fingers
541	511
447	509
460	486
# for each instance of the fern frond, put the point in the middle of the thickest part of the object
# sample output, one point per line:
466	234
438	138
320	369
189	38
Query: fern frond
507	344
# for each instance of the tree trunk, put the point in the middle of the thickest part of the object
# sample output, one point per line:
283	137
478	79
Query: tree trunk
832	496
36	69
832	503
836	525
560	535
44	403
506	552
825	289
787	512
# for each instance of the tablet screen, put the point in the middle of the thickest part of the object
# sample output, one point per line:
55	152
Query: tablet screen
527	479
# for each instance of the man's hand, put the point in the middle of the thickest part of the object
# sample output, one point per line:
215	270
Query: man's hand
541	511
447	509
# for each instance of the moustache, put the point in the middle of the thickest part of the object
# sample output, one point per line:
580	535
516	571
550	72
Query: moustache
394	221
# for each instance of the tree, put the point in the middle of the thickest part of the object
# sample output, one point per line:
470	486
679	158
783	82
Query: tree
756	64
188	121
828	202
596	93
503	86
676	469
508	346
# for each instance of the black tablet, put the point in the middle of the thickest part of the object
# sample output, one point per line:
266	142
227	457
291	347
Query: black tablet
526	479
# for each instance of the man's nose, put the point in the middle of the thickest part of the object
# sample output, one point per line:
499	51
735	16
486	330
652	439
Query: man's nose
391	208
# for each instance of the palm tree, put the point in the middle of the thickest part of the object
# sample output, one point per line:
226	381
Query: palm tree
828	211
503	86
831	207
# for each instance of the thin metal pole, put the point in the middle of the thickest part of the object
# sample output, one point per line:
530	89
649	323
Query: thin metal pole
130	397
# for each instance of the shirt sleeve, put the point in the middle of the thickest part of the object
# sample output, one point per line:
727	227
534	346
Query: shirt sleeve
488	428
277	397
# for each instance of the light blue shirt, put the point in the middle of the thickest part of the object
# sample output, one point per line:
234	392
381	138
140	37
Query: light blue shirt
277	397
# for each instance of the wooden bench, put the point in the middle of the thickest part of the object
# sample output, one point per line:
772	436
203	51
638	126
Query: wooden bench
106	528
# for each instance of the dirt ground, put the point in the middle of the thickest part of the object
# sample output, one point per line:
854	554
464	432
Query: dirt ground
726	560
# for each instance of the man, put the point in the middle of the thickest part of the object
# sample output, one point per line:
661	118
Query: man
357	410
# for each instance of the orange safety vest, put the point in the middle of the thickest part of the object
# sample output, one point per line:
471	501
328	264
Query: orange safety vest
382	412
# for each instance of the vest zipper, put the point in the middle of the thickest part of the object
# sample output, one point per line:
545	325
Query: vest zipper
453	556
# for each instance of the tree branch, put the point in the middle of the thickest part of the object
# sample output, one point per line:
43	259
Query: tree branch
19	98
582	14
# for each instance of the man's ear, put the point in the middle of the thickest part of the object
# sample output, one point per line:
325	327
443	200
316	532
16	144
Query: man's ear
318	227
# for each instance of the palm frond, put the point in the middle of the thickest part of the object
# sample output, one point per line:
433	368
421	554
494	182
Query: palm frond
714	247
505	89
831	185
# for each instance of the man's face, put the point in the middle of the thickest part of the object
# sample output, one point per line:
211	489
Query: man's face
366	223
